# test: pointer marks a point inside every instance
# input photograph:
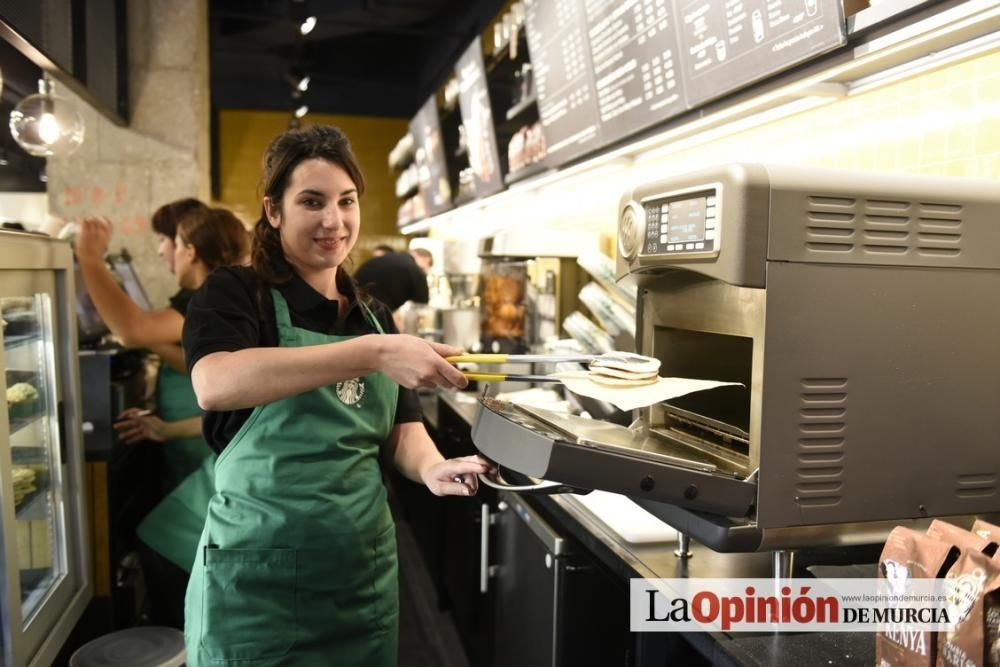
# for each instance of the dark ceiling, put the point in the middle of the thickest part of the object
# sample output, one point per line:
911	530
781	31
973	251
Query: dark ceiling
364	57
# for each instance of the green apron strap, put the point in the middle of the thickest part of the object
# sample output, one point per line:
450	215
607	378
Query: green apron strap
371	317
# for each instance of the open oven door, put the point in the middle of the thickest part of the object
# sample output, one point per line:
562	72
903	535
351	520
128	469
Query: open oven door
574	454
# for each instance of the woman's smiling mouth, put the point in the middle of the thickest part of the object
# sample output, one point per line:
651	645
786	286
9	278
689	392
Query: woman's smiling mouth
329	243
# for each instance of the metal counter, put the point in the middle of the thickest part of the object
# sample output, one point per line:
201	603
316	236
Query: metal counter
628	560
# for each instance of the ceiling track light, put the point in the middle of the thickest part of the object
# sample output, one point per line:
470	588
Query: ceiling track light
307	25
298	80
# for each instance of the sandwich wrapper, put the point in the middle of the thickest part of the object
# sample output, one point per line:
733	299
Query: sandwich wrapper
632	398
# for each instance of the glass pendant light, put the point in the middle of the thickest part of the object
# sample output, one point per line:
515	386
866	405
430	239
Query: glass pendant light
45	125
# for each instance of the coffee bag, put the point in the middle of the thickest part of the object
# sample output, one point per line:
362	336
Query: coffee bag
907	555
960	537
986	530
974	606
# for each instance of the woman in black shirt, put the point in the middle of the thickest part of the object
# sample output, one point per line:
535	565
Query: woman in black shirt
300	376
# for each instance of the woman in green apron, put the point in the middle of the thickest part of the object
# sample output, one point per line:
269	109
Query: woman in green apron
194	240
301	376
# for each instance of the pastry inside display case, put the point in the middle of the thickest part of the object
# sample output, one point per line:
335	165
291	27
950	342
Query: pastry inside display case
32	445
18	317
502	302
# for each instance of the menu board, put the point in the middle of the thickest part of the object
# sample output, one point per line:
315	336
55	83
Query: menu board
728	43
477	118
560	56
633	46
432	170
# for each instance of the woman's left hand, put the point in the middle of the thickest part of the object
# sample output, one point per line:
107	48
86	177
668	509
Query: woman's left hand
133	428
456	477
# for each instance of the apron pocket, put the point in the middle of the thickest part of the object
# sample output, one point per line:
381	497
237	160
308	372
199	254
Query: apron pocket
249	603
385	578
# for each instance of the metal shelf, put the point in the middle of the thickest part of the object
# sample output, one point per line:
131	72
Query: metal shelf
521	106
33	506
18	423
11	342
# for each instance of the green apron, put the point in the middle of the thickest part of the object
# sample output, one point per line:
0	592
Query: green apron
172	527
297	563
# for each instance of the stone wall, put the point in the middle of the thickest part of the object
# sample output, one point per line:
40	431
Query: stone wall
125	173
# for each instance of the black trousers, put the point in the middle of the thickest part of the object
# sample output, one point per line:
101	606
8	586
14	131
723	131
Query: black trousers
166	585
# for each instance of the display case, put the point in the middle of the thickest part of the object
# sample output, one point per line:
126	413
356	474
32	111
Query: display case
43	543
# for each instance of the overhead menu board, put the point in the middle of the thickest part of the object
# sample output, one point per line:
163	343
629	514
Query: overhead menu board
560	56
729	43
477	119
432	171
633	46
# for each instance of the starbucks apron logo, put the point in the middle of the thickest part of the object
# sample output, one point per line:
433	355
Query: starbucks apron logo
350	392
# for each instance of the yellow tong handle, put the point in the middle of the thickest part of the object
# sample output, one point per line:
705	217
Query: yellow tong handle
478	359
486	377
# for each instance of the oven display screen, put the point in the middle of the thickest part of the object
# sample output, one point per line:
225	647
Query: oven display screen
687	220
682	225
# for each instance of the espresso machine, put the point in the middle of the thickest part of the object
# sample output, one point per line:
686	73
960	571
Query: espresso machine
460	318
857	312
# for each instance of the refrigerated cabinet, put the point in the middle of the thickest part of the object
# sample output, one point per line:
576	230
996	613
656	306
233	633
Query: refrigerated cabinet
43	544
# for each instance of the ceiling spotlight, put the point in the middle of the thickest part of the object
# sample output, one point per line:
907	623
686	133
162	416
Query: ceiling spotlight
308	25
298	80
45	125
301	111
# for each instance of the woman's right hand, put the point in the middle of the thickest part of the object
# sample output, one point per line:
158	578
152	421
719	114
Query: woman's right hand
93	237
414	362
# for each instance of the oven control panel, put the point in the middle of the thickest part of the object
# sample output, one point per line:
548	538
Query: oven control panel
685	224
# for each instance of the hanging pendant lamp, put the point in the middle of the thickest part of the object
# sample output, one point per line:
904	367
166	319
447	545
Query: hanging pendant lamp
45	125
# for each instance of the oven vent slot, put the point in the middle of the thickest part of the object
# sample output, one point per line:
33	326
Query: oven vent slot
883	228
975	485
821	441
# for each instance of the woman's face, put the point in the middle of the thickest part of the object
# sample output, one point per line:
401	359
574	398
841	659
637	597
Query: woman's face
319	218
183	261
165	250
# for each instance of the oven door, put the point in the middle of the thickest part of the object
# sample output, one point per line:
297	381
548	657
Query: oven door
573	453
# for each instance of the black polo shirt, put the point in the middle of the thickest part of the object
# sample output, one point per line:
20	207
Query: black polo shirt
180	301
393	279
234	311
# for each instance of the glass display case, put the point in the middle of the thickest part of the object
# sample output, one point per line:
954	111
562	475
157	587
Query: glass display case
46	577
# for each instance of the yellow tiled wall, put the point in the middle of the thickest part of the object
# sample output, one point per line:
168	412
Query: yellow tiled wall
243	136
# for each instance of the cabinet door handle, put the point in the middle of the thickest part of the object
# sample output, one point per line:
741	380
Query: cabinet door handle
485	569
